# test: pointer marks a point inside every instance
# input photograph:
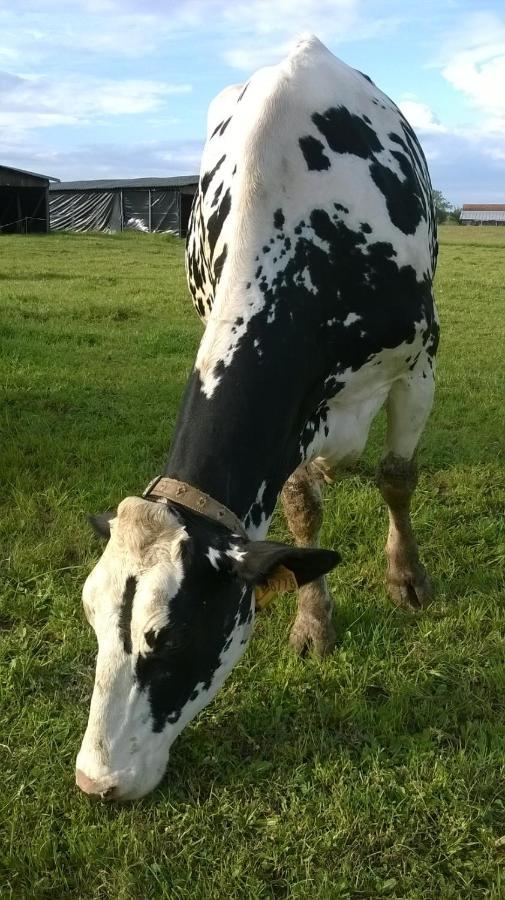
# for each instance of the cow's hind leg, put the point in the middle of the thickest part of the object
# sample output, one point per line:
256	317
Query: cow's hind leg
408	407
303	507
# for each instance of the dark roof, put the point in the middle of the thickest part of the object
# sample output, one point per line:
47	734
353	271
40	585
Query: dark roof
484	207
25	172
107	184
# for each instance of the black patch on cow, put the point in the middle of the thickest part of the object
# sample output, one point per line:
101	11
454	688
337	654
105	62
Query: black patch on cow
279	219
242	92
340	208
366	119
216	129
217	194
365	228
219	263
313	151
396	139
217	220
125	613
202	616
207	178
347	133
403	198
221	128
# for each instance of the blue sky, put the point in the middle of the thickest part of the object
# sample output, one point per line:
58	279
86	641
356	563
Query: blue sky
120	88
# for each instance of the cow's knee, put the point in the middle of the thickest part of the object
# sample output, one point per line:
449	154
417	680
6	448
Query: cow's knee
397	479
303	506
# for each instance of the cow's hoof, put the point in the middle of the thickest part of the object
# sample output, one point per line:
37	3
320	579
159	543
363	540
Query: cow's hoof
410	589
311	634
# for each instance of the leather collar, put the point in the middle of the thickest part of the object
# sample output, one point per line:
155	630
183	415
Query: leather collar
162	489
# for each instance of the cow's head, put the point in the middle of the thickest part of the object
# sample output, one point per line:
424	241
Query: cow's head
172	603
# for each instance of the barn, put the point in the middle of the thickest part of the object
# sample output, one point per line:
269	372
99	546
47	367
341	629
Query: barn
24	204
483	214
141	204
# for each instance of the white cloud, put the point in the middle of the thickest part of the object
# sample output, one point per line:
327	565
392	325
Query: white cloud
420	116
474	64
29	101
466	163
262	31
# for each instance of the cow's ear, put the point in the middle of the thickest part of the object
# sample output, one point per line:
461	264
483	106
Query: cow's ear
101	523
262	562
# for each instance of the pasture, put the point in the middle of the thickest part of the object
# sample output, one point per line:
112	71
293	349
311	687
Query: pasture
378	772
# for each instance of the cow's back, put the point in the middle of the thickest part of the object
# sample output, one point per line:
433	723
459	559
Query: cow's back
311	134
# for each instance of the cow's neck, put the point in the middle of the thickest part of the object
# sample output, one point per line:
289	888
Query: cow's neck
233	448
238	438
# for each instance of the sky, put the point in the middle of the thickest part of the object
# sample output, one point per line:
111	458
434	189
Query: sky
120	88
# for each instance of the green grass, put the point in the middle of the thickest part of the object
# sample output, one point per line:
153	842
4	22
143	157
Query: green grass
377	772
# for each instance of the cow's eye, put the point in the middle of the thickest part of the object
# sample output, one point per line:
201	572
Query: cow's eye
166	643
175	642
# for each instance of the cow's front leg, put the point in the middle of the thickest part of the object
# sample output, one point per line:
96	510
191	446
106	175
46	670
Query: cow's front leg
408	583
303	508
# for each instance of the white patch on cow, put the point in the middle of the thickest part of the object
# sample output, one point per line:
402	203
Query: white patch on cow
306	281
350	319
342	436
259	531
236	553
213	556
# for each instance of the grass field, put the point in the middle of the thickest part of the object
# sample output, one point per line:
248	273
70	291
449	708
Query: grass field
378	772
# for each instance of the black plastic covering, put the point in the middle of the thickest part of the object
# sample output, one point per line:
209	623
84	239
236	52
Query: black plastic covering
115	210
23	210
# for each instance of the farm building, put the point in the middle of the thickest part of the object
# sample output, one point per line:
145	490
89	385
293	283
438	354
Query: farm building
141	204
483	214
24	204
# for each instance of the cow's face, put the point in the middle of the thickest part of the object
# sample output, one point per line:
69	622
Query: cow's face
172	603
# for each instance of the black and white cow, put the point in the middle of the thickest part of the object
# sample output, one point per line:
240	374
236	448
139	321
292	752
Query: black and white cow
310	256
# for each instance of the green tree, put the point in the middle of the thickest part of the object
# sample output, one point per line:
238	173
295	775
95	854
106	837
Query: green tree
442	206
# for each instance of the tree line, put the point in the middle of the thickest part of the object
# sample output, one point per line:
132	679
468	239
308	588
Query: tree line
445	211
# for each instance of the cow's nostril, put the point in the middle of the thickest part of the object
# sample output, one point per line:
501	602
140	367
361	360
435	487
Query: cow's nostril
92	788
